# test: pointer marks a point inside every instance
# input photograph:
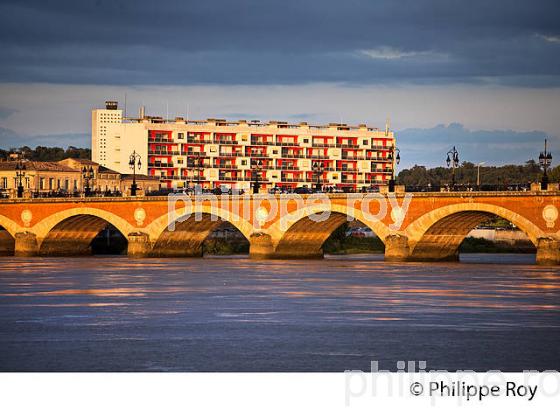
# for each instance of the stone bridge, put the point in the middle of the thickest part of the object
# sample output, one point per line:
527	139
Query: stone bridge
415	227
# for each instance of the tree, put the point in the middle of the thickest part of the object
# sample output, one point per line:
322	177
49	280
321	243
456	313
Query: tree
41	153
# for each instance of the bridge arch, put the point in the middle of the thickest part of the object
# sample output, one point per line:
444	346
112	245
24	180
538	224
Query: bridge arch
438	234
70	232
10	226
189	235
7	237
304	237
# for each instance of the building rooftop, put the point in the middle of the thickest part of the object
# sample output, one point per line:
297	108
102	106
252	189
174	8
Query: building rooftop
36	166
82	161
249	124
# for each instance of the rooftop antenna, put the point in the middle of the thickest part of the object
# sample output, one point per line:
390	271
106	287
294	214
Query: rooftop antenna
166	110
387	126
124	105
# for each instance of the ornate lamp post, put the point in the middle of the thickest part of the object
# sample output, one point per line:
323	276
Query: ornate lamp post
545	159
134	161
87	175
20	174
318	168
452	161
256	167
397	160
478	174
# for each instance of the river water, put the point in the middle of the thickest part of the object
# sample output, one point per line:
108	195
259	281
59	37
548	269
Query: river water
235	314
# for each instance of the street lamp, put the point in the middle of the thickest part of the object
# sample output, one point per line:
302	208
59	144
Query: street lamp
256	167
20	173
134	161
454	162
478	174
545	159
318	168
397	160
87	175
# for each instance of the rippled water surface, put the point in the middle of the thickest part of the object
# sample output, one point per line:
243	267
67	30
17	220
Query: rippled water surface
234	314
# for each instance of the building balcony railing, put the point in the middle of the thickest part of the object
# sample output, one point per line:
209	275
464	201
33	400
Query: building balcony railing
192	165
231	154
192	178
293	180
323	145
256	154
260	142
290	167
347	146
286	144
199	141
352	158
156	152
157	139
225	166
252	179
293	156
318	156
343	169
225	142
195	153
161	164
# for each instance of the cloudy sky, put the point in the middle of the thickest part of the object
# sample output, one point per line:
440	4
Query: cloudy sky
481	75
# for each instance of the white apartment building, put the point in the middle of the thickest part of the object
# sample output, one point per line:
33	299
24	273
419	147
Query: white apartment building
218	153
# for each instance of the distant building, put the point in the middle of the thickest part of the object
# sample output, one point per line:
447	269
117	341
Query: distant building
40	177
66	176
218	153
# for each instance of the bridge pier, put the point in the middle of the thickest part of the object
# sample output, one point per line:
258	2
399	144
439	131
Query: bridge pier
396	248
548	251
26	244
260	246
139	245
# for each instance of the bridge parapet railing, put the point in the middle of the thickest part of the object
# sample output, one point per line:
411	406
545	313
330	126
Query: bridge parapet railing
284	196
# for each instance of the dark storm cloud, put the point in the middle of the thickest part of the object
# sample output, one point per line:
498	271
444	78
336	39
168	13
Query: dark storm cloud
284	42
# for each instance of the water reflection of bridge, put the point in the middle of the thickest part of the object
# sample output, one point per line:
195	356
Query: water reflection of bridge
424	226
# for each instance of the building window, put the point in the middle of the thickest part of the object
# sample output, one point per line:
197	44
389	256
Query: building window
212	149
306	140
365	142
42	183
51	184
243	162
180	136
275	151
4	182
